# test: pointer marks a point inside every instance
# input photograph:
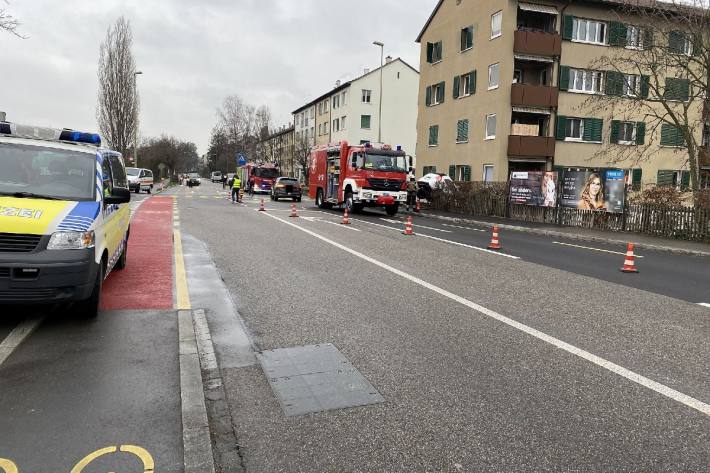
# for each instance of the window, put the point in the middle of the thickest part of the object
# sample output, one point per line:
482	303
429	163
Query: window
320	129
336	125
574	129
582	80
462	131
634	37
366	95
320	108
312	112
433	135
493	76
344	98
298	119
336	102
671	136
434	52
588	31
465	85
672	178
325	128
679	43
365	121
677	89
325	106
466	38
428	170
627	133
631	86
342	123
496	24
491	126
488	172
435	94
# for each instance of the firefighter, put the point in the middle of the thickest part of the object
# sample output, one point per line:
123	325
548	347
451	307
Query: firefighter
411	194
236	187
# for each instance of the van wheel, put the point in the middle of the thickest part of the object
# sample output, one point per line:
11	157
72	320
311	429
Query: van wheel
150	189
138	190
89	308
392	209
121	263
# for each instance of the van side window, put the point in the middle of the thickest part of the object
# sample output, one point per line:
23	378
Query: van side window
118	172
142	174
106	176
148	173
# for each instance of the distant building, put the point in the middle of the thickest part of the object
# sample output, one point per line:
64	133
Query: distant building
278	147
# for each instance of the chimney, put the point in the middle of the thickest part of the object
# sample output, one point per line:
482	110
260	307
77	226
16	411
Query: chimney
2	116
388	59
367	70
337	83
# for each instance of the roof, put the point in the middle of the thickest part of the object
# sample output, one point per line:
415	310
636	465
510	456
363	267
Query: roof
346	84
634	3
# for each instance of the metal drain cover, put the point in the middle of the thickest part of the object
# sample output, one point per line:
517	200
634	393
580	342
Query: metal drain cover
315	378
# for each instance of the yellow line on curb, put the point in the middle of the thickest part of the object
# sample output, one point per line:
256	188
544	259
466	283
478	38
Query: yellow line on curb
182	295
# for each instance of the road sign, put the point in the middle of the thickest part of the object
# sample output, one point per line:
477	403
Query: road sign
241	160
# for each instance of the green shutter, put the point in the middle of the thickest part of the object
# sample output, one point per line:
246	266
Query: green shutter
614	84
567	26
564	78
614	136
466	173
560	129
617	33
592	129
442	86
439	48
428	96
429	53
452	171
434	134
473	82
636	179
457	84
462	130
665	178
677	89
647	38
645	83
685	180
671	135
469	36
676	42
640	133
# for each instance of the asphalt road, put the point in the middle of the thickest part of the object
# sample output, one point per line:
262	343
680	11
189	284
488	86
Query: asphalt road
551	362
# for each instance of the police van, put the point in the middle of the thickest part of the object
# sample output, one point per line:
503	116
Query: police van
64	216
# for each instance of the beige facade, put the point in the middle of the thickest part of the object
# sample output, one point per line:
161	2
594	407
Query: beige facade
279	147
527	99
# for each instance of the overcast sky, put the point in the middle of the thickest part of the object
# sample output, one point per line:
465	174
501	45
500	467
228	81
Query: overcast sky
281	53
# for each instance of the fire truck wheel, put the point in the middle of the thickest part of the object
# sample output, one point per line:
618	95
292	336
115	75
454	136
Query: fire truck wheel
349	201
391	210
320	202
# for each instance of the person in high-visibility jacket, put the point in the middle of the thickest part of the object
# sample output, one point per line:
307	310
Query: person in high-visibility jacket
236	187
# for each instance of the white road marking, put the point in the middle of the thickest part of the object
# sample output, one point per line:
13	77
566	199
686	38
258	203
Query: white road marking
318	219
704	304
465	228
592	358
623	253
17	336
416	225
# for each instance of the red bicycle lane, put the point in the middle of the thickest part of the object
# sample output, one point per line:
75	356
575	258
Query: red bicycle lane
147	280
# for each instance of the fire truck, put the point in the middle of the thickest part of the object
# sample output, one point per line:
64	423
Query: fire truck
258	177
358	176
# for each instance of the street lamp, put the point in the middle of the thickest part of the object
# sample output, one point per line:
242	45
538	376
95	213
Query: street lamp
379	118
135	118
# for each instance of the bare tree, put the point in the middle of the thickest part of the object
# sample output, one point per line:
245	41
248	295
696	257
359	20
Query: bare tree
117	109
8	22
659	72
301	153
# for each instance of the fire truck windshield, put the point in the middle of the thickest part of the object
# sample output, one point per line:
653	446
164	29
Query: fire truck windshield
378	162
266	173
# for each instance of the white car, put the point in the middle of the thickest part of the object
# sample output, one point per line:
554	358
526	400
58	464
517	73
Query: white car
140	179
436	181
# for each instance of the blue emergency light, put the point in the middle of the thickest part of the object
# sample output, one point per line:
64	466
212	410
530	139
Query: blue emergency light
80	137
45	133
399	147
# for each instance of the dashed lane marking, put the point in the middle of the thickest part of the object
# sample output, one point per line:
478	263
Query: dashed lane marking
623	253
464	228
416	225
18	335
585	355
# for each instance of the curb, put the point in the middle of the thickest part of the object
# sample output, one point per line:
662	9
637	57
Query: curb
571	236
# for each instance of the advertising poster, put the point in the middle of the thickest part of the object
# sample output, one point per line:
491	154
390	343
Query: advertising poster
594	190
537	188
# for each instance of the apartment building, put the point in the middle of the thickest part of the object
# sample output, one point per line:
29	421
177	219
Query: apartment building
304	124
279	147
507	85
351	110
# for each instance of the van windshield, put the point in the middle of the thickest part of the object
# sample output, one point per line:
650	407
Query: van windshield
133	171
27	170
379	162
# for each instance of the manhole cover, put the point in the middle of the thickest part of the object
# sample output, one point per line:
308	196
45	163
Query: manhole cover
315	378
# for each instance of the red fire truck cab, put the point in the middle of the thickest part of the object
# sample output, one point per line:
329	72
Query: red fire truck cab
258	177
358	176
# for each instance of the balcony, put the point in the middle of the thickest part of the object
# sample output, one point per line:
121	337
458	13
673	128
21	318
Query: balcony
531	146
541	96
537	43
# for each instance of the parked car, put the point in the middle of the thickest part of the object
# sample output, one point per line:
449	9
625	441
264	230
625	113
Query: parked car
193	179
288	187
432	181
140	179
216	176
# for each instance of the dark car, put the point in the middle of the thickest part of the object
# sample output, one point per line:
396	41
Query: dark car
286	187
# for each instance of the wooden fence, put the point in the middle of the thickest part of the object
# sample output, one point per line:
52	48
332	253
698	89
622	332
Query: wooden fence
491	200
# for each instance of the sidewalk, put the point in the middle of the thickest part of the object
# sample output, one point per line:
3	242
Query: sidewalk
576	233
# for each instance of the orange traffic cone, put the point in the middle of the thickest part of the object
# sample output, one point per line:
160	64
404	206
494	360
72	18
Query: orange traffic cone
346	217
629	266
408	227
495	243
261	206
293	211
418	208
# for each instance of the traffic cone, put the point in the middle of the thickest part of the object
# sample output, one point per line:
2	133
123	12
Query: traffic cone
261	206
346	218
495	243
418	208
629	266
293	211
408	227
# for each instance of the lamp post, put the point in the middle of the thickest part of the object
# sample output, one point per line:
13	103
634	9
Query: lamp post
379	117
135	117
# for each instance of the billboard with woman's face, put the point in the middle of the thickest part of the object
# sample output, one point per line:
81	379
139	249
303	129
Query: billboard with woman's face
537	188
594	190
